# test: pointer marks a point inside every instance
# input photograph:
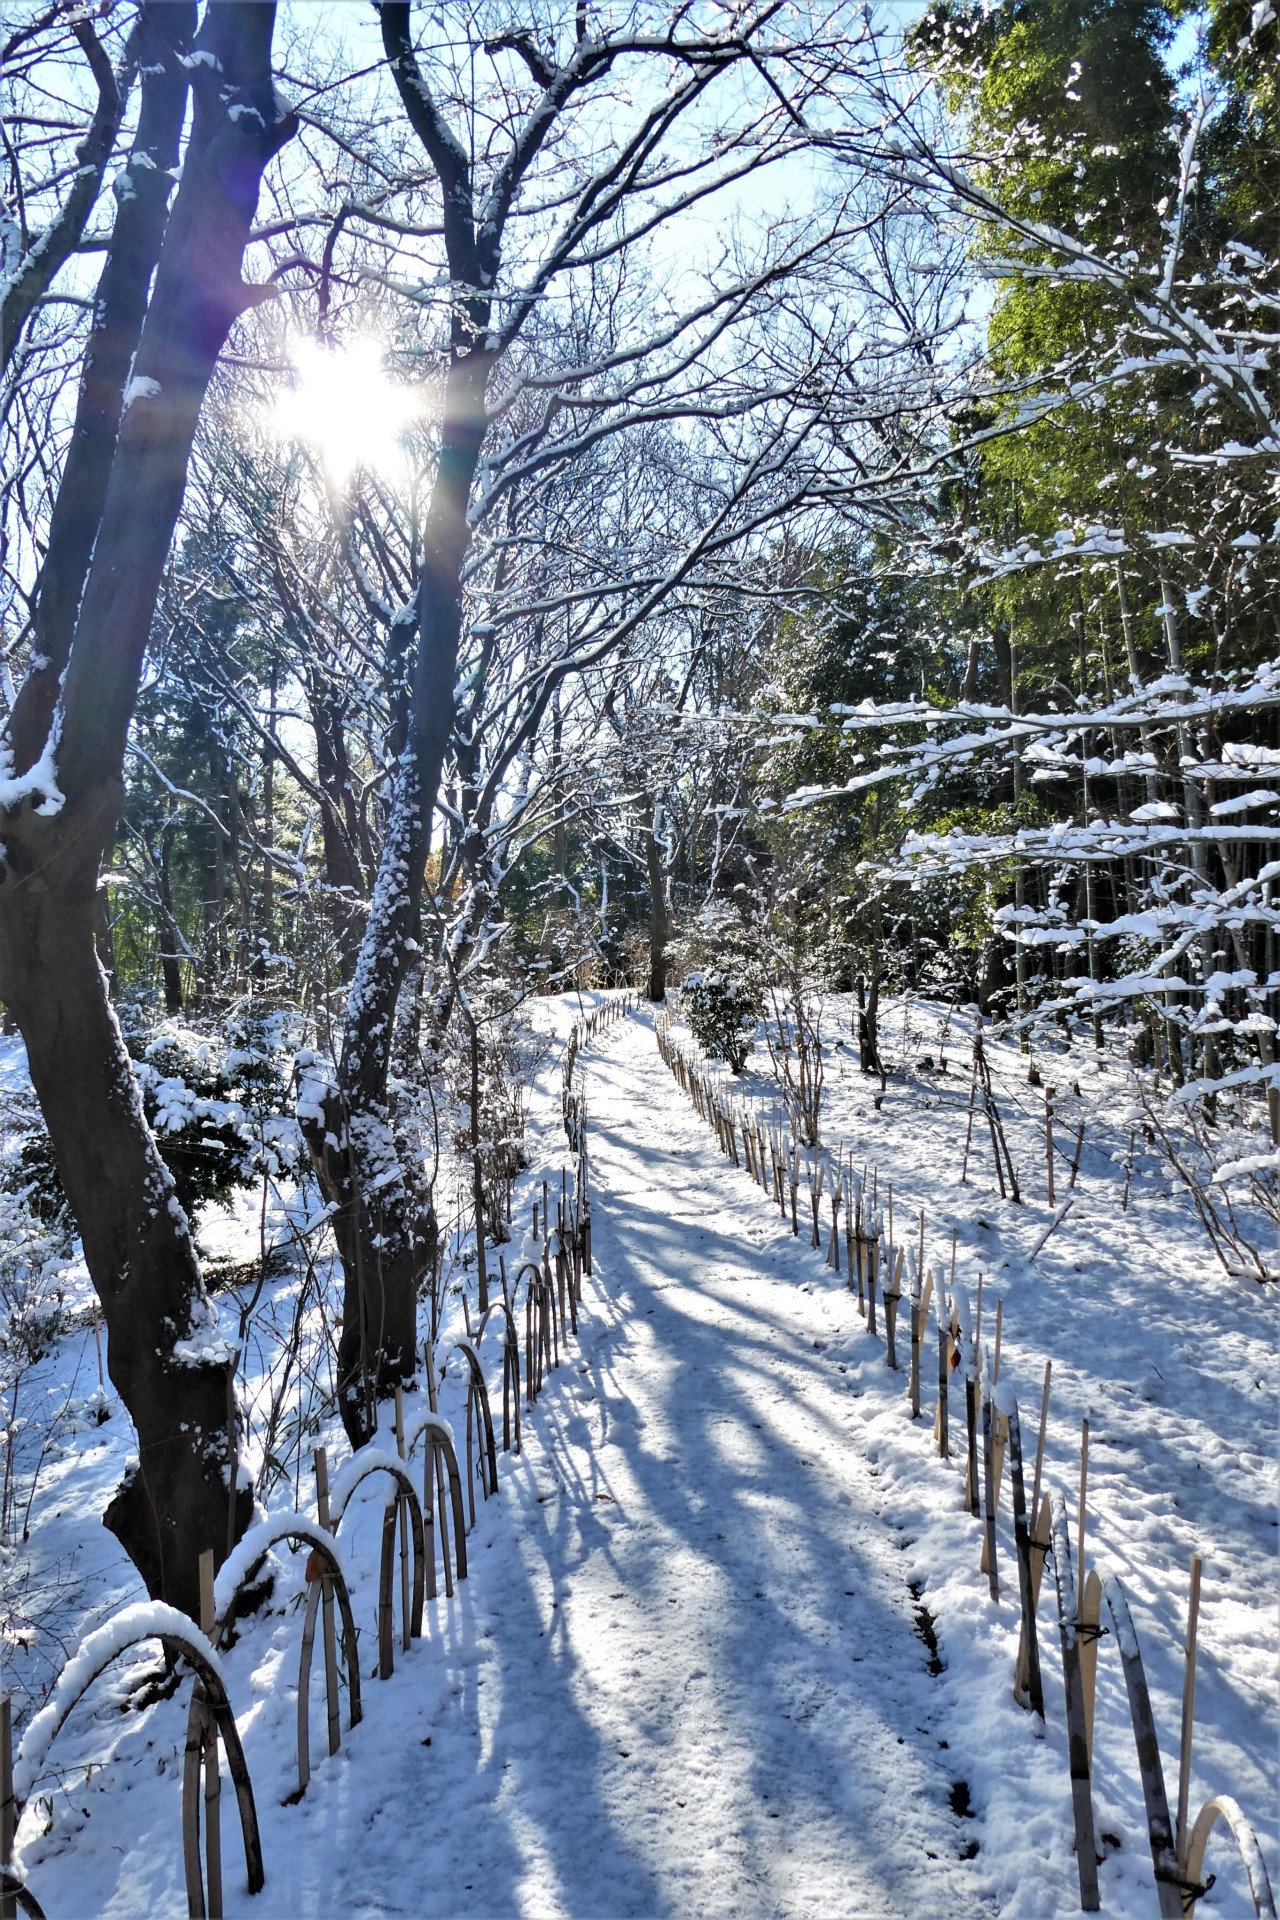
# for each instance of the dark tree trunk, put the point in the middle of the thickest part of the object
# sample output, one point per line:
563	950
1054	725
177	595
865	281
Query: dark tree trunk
163	37
136	1243
171	954
869	1024
659	915
382	1220
338	827
176	1383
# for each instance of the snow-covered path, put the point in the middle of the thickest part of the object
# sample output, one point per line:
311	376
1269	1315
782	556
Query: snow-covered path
683	1678
695	1688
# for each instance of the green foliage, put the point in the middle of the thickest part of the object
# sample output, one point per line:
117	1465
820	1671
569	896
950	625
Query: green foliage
722	1013
722	989
218	1101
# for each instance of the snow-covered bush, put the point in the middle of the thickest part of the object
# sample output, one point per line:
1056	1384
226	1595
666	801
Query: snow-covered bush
218	1100
722	990
721	1011
33	1316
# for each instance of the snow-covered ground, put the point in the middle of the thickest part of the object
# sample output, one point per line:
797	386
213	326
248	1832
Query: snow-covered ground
687	1673
1173	1363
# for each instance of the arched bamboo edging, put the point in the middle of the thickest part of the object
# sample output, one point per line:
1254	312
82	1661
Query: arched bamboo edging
541	1336
440	1450
240	1569
176	1634
479	1419
1223	1807
404	1494
510	1369
19	1893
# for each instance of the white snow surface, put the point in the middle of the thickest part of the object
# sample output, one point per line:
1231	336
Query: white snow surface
685	1677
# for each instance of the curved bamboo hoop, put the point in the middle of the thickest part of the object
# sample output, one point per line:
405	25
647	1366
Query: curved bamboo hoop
478	1398
510	1369
1223	1807
440	1447
191	1644
297	1532
539	1325
20	1893
404	1495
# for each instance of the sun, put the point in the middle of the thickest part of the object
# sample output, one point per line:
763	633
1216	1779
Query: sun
343	404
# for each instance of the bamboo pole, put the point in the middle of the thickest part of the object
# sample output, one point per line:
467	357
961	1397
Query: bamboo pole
971	1433
1182	1831
1026	1680
1077	1744
332	1704
1044	1423
8	1819
1048	1144
209	1753
891	1299
1080	1512
1075	1158
968	1132
944	1368
916	1318
993	1578
1088	1621
402	1516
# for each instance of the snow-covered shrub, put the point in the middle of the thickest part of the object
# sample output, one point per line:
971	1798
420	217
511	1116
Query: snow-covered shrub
721	1011
722	990
33	1260
218	1100
33	1316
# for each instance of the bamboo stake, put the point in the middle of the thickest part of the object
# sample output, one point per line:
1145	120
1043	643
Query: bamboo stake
971	1434
1026	1678
968	1132
944	1368
1044	1422
1081	1784
1182	1831
891	1299
321	1465
999	1436
915	1343
1048	1143
209	1750
1088	1617
1075	1158
402	1515
993	1578
1080	1516
8	1822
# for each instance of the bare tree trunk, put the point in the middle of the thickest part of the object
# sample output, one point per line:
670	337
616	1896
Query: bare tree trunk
342	869
659	912
175	1380
383	1222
